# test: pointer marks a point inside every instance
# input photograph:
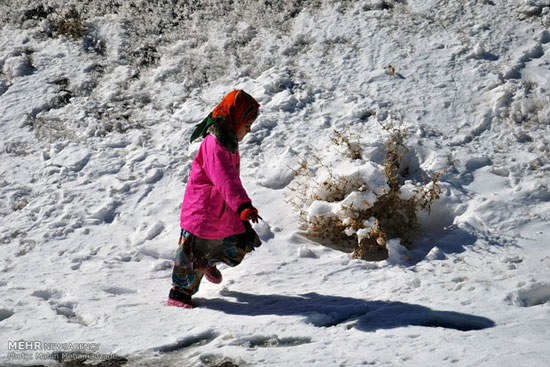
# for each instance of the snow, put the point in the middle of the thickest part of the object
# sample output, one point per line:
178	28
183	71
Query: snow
94	159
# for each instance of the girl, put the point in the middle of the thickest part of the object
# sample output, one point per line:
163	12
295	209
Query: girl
216	210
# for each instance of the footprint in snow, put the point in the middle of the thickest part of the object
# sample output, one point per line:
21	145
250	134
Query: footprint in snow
107	212
153	176
188	341
47	294
5	314
67	309
3	87
262	341
117	291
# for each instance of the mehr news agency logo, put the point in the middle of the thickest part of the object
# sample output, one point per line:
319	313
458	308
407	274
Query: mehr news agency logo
39	350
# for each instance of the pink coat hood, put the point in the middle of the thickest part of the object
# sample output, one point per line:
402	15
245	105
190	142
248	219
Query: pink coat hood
214	192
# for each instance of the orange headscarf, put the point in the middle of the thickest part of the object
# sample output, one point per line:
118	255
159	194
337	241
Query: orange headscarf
236	108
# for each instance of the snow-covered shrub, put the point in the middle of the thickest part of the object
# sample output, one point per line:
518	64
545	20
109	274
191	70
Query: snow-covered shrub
362	205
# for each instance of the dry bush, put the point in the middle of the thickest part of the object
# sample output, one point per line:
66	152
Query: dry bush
330	231
364	230
396	217
350	143
70	24
333	189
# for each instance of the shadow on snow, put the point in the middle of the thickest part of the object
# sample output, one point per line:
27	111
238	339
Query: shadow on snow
451	240
324	311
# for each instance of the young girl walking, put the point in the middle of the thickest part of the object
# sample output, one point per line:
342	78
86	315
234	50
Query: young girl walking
216	209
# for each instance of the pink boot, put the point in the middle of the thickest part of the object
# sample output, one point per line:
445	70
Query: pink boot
213	275
176	303
178	299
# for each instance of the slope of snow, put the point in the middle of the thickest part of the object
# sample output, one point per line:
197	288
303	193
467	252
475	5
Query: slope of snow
95	156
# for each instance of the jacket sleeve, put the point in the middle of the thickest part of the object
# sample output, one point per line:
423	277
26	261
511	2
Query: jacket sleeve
224	174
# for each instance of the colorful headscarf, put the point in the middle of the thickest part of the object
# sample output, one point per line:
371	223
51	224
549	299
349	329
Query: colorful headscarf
234	111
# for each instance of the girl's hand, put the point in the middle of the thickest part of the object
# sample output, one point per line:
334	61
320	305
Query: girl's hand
250	214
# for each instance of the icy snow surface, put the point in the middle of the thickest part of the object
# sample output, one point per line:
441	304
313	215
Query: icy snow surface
94	159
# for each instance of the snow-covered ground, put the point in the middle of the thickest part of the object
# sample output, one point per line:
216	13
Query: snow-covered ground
94	158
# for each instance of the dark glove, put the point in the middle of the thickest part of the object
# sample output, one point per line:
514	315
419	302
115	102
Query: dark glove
248	213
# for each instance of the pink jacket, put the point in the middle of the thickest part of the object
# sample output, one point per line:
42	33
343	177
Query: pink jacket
214	192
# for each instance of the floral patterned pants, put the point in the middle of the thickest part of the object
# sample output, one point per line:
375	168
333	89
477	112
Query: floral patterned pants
194	255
